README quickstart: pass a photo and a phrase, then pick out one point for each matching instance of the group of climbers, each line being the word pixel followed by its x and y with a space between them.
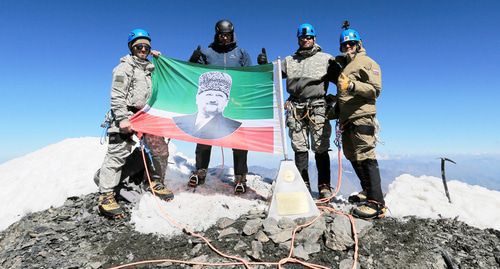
pixel 308 73
pixel 358 79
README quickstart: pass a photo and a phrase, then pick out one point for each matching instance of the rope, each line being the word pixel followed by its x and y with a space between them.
pixel 184 228
pixel 242 261
pixel 148 151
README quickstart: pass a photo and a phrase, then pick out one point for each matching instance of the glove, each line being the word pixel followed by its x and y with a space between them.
pixel 344 83
pixel 197 54
pixel 333 71
pixel 262 58
pixel 155 53
pixel 125 126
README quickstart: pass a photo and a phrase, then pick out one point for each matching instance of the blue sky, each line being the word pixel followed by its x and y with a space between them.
pixel 439 59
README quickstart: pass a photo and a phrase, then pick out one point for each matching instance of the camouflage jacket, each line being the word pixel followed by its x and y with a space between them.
pixel 131 86
pixel 366 76
pixel 305 72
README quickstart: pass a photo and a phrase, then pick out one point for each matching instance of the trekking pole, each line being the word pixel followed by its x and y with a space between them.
pixel 443 176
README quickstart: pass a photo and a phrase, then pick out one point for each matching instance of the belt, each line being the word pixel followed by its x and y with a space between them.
pixel 361 129
pixel 305 100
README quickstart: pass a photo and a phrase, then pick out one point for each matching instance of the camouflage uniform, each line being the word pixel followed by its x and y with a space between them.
pixel 130 90
pixel 357 107
pixel 308 125
pixel 357 117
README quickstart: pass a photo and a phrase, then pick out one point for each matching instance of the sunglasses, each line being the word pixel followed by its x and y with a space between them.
pixel 226 35
pixel 350 43
pixel 142 46
pixel 307 37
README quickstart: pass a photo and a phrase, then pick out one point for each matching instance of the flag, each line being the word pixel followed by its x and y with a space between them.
pixel 212 105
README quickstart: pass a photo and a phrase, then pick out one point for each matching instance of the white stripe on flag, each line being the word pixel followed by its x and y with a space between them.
pixel 244 123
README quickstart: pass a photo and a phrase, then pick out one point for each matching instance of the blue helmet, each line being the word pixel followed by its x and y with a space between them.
pixel 138 33
pixel 306 29
pixel 349 35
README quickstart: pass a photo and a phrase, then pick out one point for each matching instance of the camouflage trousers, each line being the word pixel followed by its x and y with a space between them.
pixel 119 154
pixel 359 138
pixel 308 126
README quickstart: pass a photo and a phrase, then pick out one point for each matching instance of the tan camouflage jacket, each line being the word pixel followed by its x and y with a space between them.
pixel 131 86
pixel 366 75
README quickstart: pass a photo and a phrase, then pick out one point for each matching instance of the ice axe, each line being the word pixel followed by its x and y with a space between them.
pixel 443 176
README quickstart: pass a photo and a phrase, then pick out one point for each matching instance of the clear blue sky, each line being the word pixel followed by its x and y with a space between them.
pixel 440 62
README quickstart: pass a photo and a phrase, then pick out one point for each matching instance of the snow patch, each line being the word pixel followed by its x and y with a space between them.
pixel 425 197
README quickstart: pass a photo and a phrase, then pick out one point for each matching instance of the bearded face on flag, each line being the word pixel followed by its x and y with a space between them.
pixel 213 92
pixel 211 99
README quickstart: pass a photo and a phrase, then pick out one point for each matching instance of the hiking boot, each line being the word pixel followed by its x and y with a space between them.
pixel 357 198
pixel 370 210
pixel 241 184
pixel 197 178
pixel 108 206
pixel 161 191
pixel 325 191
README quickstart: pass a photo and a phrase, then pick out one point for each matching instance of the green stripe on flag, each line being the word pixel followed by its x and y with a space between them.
pixel 175 86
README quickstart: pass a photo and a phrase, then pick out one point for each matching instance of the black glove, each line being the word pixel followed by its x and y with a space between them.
pixel 197 54
pixel 262 58
pixel 333 71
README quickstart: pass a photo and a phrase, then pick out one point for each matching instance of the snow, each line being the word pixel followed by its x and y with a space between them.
pixel 45 178
pixel 425 197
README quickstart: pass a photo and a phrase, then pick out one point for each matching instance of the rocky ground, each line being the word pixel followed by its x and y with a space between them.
pixel 74 236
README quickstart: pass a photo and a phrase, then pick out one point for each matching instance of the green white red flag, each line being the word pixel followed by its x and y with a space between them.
pixel 248 102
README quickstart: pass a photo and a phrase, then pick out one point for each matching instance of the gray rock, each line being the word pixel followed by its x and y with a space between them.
pixel 240 245
pixel 341 225
pixel 252 226
pixel 196 249
pixel 93 265
pixel 285 246
pixel 282 236
pixel 337 242
pixel 262 237
pixel 302 221
pixel 202 258
pixel 347 264
pixel 224 222
pixel 286 223
pixel 312 248
pixel 271 226
pixel 228 231
pixel 309 234
pixel 318 224
pixel 256 249
pixel 299 252
pixel 362 227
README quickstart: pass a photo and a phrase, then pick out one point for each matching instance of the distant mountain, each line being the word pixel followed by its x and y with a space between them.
pixel 482 170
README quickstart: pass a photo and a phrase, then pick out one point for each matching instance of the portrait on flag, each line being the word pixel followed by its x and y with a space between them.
pixel 212 98
pixel 233 107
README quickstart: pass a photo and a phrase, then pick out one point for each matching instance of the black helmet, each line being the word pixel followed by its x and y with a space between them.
pixel 224 26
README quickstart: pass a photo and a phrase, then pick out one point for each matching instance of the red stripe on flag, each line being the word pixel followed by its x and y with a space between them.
pixel 248 138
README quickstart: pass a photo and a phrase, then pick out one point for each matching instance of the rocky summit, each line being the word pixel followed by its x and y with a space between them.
pixel 75 236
